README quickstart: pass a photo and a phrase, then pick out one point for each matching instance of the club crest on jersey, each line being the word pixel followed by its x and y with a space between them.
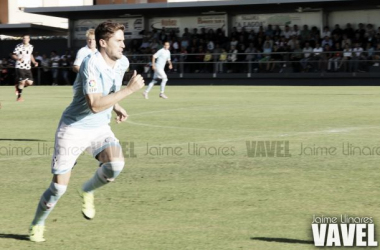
pixel 92 88
pixel 92 83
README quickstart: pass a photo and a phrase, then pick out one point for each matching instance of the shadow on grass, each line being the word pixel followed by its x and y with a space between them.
pixel 5 139
pixel 283 240
pixel 14 236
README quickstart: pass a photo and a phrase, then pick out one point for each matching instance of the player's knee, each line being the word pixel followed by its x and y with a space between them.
pixel 111 170
pixel 29 83
pixel 58 189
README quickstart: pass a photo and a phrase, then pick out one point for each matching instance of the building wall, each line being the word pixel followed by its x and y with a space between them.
pixel 3 11
pixel 17 15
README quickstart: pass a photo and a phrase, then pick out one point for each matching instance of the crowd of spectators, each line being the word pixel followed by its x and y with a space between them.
pixel 346 49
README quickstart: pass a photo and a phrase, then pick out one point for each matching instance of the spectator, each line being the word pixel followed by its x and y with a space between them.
pixel 65 64
pixel 349 32
pixel 250 54
pixel 347 55
pixel 296 31
pixel 210 46
pixel 232 58
pixel 326 32
pixel 305 33
pixel 269 32
pixel 376 56
pixel 293 42
pixel 277 31
pixel 346 40
pixel 337 31
pixel 361 31
pixel 222 60
pixel 266 56
pixel 357 57
pixel 46 73
pixel 296 57
pixel 186 34
pixel 276 58
pixel 287 33
pixel 317 57
pixel 199 59
pixel 336 58
pixel 5 77
pixel 307 52
pixel 55 61
pixel 207 60
pixel 325 41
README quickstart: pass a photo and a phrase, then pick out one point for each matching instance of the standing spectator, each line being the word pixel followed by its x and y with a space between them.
pixel 65 64
pixel 5 78
pixel 55 61
pixel 276 58
pixel 46 73
pixel 250 54
pixel 199 59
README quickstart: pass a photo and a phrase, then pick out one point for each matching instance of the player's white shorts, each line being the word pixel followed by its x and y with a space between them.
pixel 70 142
pixel 160 74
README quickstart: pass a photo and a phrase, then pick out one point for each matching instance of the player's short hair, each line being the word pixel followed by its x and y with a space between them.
pixel 105 30
pixel 90 32
pixel 24 35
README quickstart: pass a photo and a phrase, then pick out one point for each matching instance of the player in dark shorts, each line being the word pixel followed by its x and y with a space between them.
pixel 23 56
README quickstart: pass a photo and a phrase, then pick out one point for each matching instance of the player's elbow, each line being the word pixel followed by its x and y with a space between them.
pixel 94 109
pixel 76 68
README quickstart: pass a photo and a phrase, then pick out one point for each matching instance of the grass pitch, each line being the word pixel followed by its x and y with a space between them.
pixel 214 198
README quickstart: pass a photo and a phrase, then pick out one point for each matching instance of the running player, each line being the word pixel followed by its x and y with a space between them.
pixel 86 50
pixel 23 56
pixel 162 56
pixel 84 124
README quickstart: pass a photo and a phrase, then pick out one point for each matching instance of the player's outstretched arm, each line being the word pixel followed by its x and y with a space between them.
pixel 97 102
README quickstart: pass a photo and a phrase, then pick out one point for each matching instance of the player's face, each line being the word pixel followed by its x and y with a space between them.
pixel 26 39
pixel 91 43
pixel 115 45
pixel 166 46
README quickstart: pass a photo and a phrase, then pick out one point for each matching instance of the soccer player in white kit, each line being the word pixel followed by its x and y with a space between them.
pixel 23 54
pixel 86 50
pixel 162 56
pixel 84 124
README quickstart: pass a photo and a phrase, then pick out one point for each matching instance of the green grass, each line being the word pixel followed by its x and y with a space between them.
pixel 205 201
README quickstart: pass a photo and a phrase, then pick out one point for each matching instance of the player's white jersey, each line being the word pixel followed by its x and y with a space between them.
pixel 23 52
pixel 163 55
pixel 94 76
pixel 82 53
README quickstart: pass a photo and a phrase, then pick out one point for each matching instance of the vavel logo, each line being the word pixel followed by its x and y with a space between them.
pixel 344 231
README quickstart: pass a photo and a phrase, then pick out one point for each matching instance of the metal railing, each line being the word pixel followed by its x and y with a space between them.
pixel 246 63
